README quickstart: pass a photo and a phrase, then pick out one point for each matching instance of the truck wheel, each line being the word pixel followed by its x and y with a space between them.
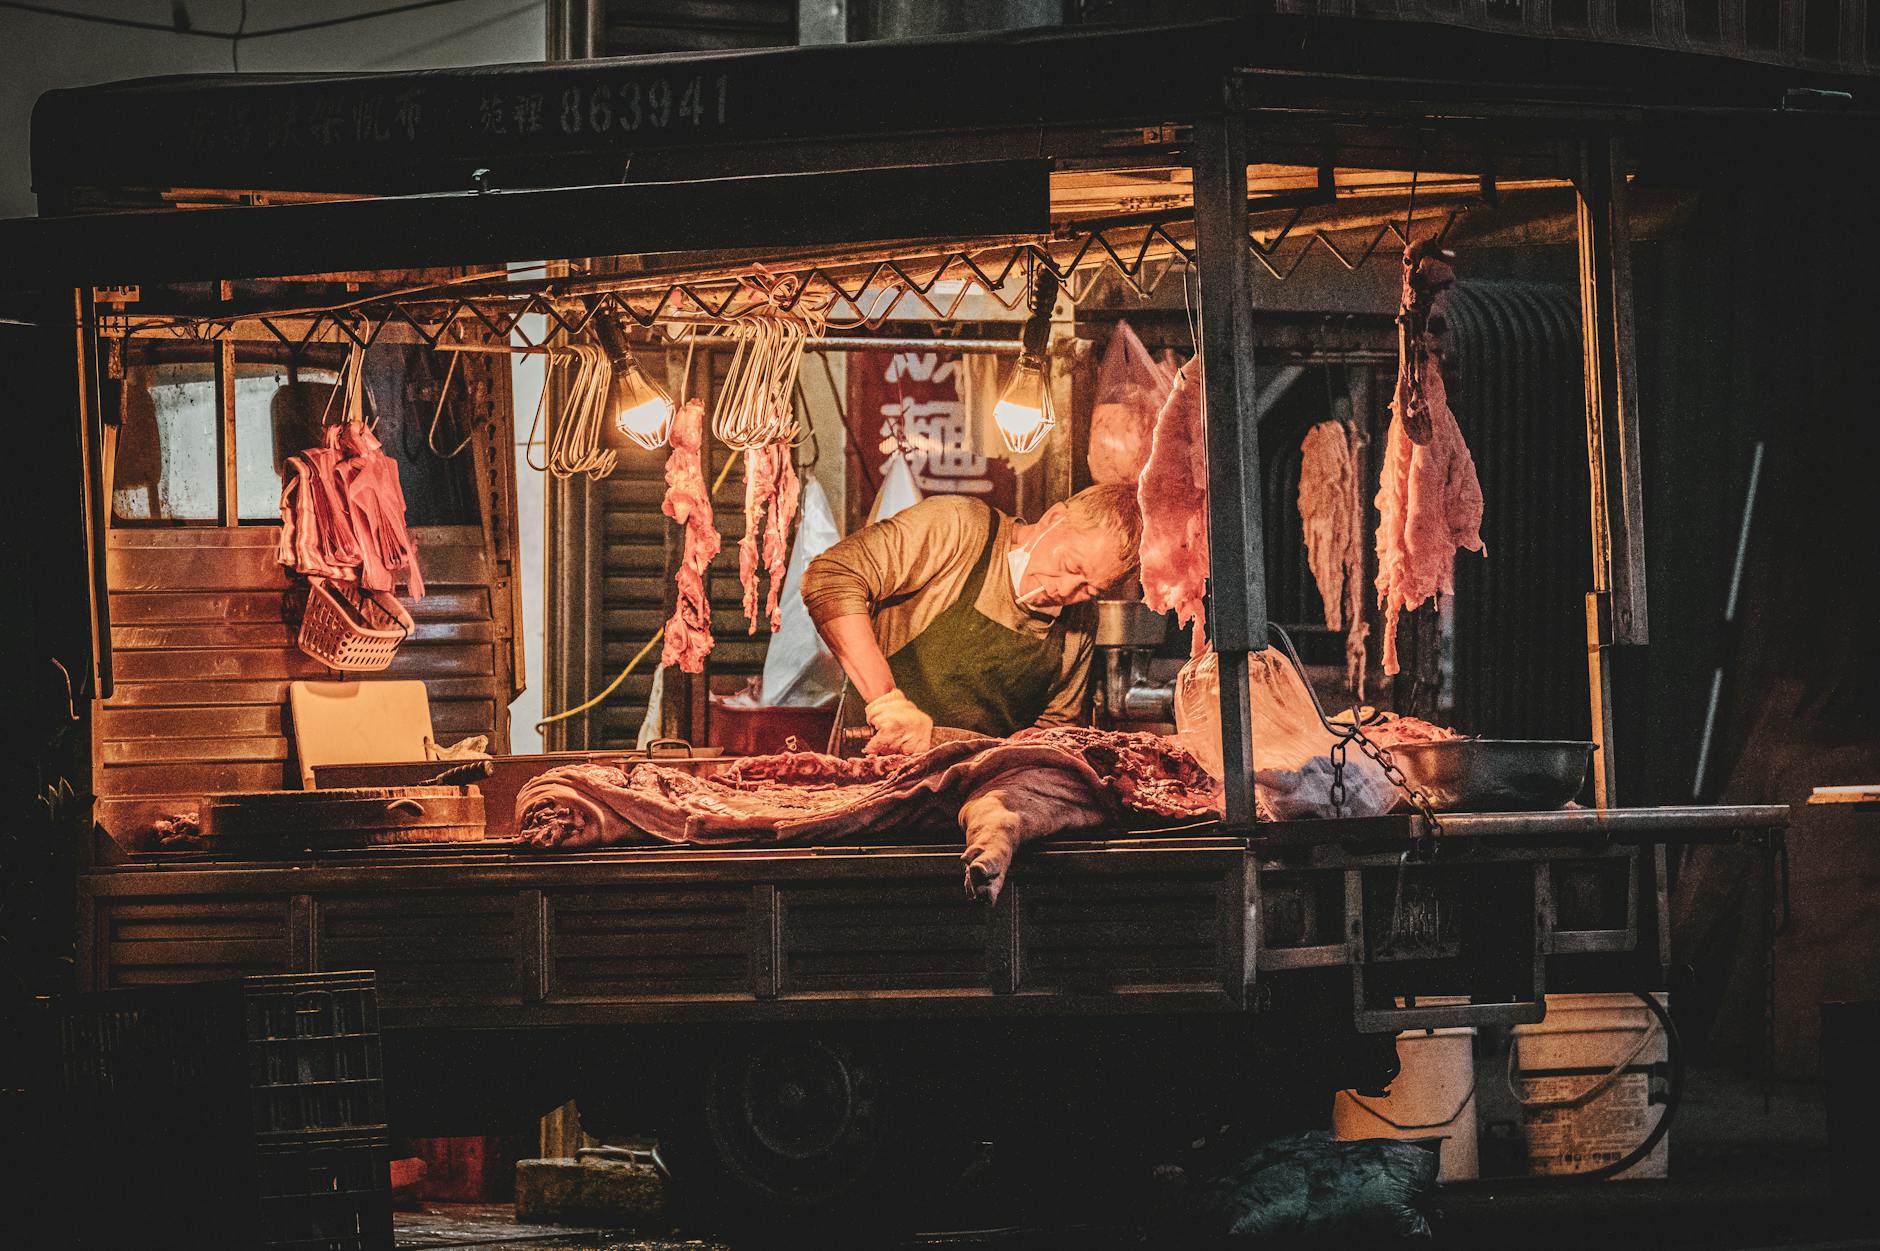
pixel 785 1128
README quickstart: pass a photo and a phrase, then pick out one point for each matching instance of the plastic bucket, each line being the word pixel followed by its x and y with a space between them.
pixel 1850 1039
pixel 1432 1102
pixel 1582 1076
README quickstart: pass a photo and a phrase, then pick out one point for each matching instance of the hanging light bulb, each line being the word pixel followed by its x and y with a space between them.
pixel 638 407
pixel 642 411
pixel 1023 413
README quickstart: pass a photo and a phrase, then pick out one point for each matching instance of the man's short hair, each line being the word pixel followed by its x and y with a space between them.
pixel 1111 510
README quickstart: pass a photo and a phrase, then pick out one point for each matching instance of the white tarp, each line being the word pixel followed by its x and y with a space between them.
pixel 798 668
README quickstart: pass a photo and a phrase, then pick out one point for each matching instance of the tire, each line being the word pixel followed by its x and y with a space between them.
pixel 797 1131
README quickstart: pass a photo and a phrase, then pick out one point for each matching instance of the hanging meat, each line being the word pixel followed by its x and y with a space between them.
pixel 689 502
pixel 771 494
pixel 388 558
pixel 1173 493
pixel 1331 512
pixel 783 507
pixel 343 514
pixel 1131 389
pixel 1429 500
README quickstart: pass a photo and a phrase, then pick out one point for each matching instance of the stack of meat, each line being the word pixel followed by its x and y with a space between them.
pixel 1429 501
pixel 1173 494
pixel 343 517
pixel 999 792
pixel 689 502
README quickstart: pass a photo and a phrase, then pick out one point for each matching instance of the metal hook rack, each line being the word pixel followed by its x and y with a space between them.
pixel 859 291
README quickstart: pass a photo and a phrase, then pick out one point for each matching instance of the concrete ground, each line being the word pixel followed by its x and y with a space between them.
pixel 1741 1179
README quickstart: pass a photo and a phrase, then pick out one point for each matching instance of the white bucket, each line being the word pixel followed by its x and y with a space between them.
pixel 1583 1077
pixel 1432 1101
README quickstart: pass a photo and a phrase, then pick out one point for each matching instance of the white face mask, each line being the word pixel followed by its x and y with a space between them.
pixel 1017 560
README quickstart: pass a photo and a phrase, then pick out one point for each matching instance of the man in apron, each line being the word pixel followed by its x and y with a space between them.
pixel 951 613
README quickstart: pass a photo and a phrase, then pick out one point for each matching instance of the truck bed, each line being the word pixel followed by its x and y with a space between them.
pixel 487 938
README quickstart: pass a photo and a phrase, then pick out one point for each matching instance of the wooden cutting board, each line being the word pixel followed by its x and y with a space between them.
pixel 380 816
pixel 373 721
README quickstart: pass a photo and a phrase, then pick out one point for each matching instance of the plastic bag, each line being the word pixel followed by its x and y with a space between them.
pixel 1131 389
pixel 1291 748
pixel 799 668
pixel 1310 1187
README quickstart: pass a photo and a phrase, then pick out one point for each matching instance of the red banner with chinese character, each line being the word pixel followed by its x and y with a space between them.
pixel 914 397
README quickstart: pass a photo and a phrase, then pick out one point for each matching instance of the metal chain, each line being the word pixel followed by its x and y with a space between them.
pixel 1395 775
pixel 1343 735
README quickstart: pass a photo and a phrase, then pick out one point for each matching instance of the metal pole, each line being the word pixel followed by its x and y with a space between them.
pixel 1237 569
pixel 1615 610
pixel 576 29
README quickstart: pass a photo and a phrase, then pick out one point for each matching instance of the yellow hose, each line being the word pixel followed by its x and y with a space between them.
pixel 638 656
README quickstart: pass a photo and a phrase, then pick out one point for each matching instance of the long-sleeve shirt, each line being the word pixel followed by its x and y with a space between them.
pixel 904 571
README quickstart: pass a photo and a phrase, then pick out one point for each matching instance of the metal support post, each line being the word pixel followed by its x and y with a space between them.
pixel 1237 569
pixel 1615 613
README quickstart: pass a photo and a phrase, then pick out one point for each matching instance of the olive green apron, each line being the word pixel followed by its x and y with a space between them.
pixel 968 671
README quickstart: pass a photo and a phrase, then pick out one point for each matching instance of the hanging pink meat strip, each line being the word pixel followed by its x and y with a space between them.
pixel 387 556
pixel 1429 500
pixel 1173 494
pixel 759 487
pixel 343 514
pixel 688 502
pixel 777 535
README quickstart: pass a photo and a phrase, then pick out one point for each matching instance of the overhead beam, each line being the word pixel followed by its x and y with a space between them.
pixel 966 201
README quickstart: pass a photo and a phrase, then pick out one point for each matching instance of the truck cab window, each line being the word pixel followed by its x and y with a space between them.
pixel 167 464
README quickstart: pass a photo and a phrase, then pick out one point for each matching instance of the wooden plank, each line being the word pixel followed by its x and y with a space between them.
pixel 244 721
pixel 415 660
pixel 250 568
pixel 214 693
pixel 188 750
pixel 453 719
pixel 622 589
pixel 193 778
pixel 139 608
pixel 266 537
pixel 274 635
pixel 635 558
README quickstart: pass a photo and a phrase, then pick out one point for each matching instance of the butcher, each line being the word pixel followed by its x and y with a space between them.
pixel 954 614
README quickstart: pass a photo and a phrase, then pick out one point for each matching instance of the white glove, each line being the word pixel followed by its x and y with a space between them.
pixel 899 726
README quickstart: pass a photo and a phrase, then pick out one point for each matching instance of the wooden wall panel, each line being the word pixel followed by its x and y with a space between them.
pixel 203 623
pixel 189 939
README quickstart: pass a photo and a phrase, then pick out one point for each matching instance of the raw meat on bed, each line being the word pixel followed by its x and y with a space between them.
pixel 1000 792
pixel 1429 500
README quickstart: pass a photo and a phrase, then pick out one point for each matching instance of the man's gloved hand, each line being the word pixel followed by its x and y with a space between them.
pixel 899 726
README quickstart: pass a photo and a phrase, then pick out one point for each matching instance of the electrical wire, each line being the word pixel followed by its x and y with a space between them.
pixel 128 23
pixel 640 655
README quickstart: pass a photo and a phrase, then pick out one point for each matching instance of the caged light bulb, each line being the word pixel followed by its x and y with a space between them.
pixel 1023 413
pixel 642 411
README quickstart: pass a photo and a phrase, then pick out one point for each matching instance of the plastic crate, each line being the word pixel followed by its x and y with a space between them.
pixel 208 1091
pixel 313 1053
pixel 325 1192
pixel 301 1052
